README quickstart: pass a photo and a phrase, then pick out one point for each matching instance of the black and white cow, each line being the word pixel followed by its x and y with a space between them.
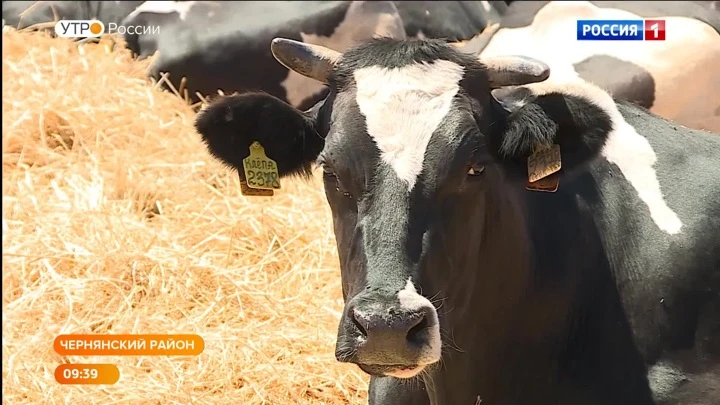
pixel 24 14
pixel 454 273
pixel 676 78
pixel 219 45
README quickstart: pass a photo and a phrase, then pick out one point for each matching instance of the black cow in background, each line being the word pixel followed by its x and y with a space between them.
pixel 224 45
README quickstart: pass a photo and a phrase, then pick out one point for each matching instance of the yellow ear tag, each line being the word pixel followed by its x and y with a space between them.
pixel 543 167
pixel 261 173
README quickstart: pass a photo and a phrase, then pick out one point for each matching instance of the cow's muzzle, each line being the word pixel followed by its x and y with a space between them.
pixel 389 334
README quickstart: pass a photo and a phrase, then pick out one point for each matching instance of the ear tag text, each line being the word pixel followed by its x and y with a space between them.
pixel 261 173
pixel 543 167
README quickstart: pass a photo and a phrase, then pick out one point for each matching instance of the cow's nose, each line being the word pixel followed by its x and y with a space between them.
pixel 395 334
pixel 394 329
pixel 390 339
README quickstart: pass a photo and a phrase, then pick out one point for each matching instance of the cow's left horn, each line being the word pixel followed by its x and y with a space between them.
pixel 313 61
pixel 514 70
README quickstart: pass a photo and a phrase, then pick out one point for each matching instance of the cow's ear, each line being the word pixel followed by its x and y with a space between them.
pixel 576 123
pixel 228 125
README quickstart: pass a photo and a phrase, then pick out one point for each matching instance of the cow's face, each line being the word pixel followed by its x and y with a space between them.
pixel 400 138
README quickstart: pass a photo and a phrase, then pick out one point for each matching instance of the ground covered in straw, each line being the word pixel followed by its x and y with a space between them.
pixel 116 220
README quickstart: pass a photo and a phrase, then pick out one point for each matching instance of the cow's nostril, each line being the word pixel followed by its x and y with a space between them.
pixel 357 320
pixel 415 333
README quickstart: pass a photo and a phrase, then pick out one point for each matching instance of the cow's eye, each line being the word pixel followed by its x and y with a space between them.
pixel 475 169
pixel 330 173
pixel 327 170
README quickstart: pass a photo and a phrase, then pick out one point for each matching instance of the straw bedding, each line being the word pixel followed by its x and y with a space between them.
pixel 116 220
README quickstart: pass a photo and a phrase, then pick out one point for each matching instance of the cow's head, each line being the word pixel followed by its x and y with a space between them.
pixel 409 140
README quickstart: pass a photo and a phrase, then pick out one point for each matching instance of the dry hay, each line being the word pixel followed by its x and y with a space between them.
pixel 116 220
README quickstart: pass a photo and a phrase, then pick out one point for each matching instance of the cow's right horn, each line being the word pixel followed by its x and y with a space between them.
pixel 313 61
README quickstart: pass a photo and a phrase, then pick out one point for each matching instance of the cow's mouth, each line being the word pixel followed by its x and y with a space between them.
pixel 394 370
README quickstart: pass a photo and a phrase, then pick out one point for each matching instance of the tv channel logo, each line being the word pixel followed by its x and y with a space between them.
pixel 621 30
pixel 79 28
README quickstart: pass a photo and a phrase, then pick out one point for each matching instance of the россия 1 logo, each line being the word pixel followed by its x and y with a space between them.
pixel 79 28
pixel 620 30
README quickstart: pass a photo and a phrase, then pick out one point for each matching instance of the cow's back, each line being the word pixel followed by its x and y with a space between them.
pixel 675 78
pixel 449 20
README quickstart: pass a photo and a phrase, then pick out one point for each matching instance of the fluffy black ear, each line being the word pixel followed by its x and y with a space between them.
pixel 228 125
pixel 580 126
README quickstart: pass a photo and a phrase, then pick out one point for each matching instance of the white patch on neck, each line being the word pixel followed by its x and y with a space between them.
pixel 164 7
pixel 403 107
pixel 485 5
pixel 627 149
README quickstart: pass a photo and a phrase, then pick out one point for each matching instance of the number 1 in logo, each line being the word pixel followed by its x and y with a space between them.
pixel 654 30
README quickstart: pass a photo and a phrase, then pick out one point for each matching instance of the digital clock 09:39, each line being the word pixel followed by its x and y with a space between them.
pixel 87 374
pixel 80 373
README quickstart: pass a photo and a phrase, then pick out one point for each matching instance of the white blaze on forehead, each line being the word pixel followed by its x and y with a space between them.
pixel 627 149
pixel 403 107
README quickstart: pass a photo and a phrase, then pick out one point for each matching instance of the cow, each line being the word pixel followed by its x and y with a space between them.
pixel 676 78
pixel 596 284
pixel 223 45
pixel 26 14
